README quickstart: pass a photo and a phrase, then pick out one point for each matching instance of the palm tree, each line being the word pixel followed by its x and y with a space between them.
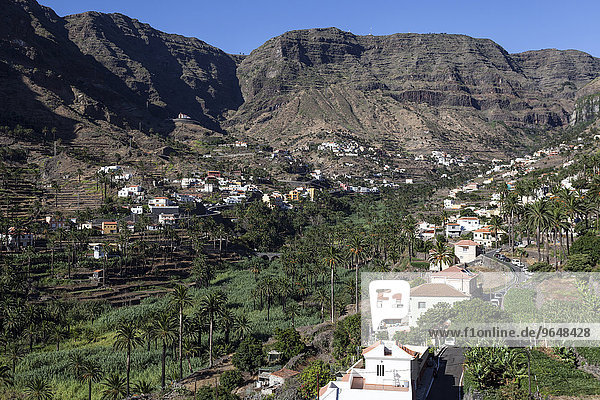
pixel 409 227
pixel 38 389
pixel 58 333
pixel 292 312
pixel 180 297
pixel 15 354
pixel 267 288
pixel 202 270
pixel 89 373
pixel 537 215
pixel 441 255
pixel 357 255
pixel 320 296
pixel 572 206
pixel 128 337
pixel 114 387
pixel 242 327
pixel 380 265
pixel 226 322
pixel 5 376
pixel 212 306
pixel 510 207
pixel 558 223
pixel 143 387
pixel 496 228
pixel 76 363
pixel 164 328
pixel 330 259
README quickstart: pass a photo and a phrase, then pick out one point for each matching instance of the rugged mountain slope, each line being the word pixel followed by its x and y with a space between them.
pixel 416 89
pixel 175 73
pixel 104 76
pixel 587 106
pixel 107 70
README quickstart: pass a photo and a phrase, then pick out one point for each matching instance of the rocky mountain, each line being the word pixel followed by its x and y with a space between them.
pixel 173 73
pixel 420 91
pixel 107 70
pixel 116 77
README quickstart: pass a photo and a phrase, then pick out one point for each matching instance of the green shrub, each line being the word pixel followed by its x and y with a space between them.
pixel 231 380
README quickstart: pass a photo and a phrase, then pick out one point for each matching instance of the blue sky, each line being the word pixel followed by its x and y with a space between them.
pixel 242 25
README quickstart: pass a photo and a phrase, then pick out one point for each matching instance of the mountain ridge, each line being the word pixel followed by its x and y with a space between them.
pixel 409 92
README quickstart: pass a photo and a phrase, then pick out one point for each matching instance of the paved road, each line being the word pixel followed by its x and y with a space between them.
pixel 446 385
pixel 518 277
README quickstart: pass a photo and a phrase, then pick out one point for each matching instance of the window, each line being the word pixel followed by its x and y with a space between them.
pixel 380 370
pixel 421 304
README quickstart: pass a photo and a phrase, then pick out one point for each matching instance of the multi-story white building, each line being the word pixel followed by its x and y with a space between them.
pixel 391 372
pixel 487 236
pixel 160 202
pixel 138 210
pixel 167 219
pixel 163 205
pixel 465 251
pixel 459 278
pixel 469 224
pixel 127 191
pixel 453 230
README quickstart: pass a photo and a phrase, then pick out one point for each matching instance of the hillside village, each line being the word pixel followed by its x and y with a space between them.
pixel 461 232
pixel 332 216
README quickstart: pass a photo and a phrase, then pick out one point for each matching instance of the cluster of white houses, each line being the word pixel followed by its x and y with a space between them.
pixel 483 235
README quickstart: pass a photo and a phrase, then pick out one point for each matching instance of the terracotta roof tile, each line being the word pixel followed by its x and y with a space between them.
pixel 435 290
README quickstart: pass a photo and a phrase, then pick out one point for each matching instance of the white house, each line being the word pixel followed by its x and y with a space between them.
pixel 423 225
pixel 469 224
pixel 486 236
pixel 188 182
pixel 166 219
pixel 427 295
pixel 428 234
pixel 391 372
pixel 98 249
pixel 162 205
pixel 453 230
pixel 270 382
pixel 459 278
pixel 138 210
pixel 16 238
pixel 465 251
pixel 239 199
pixel 160 202
pixel 109 168
pixel 471 187
pixel 128 191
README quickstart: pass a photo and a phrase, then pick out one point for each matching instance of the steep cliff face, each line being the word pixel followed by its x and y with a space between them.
pixel 110 70
pixel 587 106
pixel 175 73
pixel 46 79
pixel 327 79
